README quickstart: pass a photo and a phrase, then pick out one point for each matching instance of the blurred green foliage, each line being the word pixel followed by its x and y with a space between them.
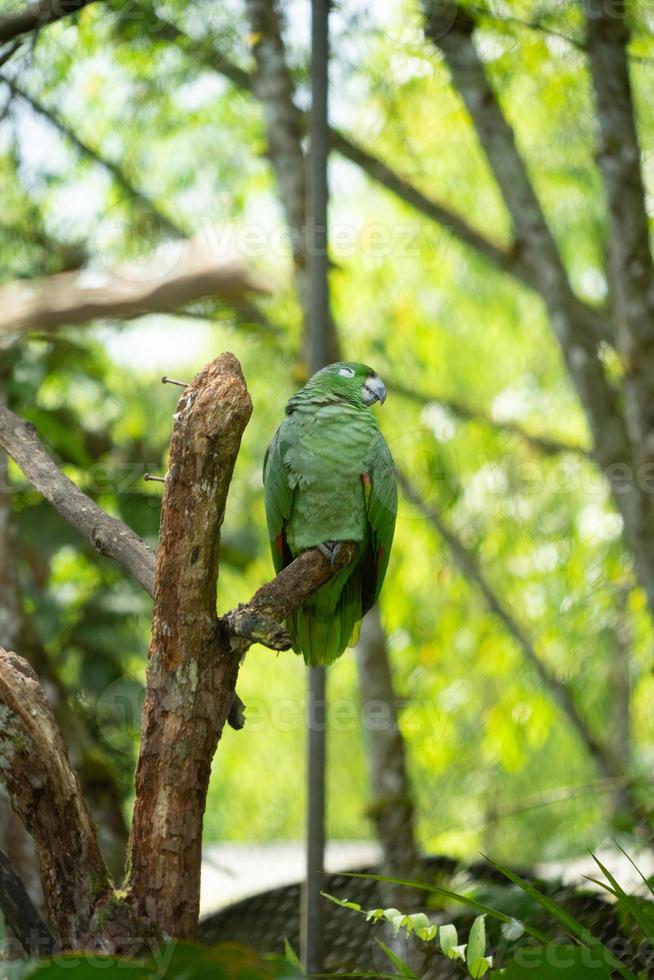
pixel 494 762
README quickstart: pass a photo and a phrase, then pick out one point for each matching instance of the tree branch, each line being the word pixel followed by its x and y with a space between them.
pixel 122 180
pixel 630 266
pixel 9 52
pixel 535 247
pixel 484 16
pixel 108 535
pixel 193 665
pixel 246 310
pixel 45 792
pixel 543 444
pixel 60 300
pixel 272 84
pixel 450 27
pixel 502 20
pixel 37 15
pixel 508 260
pixel 471 570
pixel 95 764
pixel 609 764
pixel 257 621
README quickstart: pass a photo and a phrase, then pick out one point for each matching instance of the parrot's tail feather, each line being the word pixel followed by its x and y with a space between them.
pixel 318 640
pixel 321 628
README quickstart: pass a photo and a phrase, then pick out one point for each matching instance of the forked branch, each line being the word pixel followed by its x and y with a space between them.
pixel 193 665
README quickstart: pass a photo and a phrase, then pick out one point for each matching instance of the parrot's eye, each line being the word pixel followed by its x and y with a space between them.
pixel 346 372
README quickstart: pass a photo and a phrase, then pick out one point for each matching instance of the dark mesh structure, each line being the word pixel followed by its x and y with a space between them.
pixel 265 920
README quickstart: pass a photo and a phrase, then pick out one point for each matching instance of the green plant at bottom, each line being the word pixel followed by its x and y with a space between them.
pixel 472 953
pixel 580 955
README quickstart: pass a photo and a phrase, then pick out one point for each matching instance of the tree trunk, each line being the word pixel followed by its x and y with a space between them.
pixel 191 670
pixel 391 807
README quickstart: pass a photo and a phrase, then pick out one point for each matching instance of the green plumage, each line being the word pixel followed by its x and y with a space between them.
pixel 329 476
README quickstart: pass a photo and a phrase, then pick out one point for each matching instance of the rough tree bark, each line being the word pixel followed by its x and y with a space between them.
pixel 91 761
pixel 191 672
pixel 630 265
pixel 16 843
pixel 20 915
pixel 257 620
pixel 45 792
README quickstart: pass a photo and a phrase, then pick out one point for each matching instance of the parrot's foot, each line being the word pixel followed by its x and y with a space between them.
pixel 330 550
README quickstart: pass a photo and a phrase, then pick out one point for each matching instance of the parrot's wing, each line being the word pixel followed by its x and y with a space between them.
pixel 279 500
pixel 381 501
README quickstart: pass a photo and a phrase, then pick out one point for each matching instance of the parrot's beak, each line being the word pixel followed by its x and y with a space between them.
pixel 374 390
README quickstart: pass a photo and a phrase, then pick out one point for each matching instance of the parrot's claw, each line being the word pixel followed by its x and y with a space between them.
pixel 330 550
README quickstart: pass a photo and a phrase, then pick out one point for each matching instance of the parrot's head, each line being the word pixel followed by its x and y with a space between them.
pixel 350 381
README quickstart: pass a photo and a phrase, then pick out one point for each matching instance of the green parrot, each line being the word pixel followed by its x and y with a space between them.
pixel 329 477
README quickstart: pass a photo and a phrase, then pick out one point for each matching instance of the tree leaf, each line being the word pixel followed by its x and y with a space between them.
pixel 455 897
pixel 449 937
pixel 476 941
pixel 404 968
pixel 635 907
pixel 602 953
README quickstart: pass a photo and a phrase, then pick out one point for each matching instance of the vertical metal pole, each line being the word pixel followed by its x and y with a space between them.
pixel 318 188
pixel 313 910
pixel 313 903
